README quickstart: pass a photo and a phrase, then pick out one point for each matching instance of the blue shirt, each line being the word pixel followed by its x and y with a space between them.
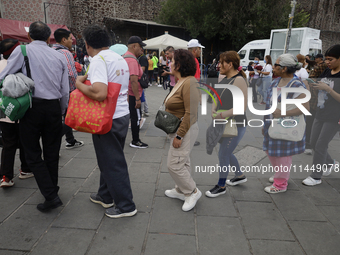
pixel 48 70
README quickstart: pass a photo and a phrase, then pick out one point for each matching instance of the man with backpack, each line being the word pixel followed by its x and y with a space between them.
pixel 49 71
pixel 135 49
pixel 64 41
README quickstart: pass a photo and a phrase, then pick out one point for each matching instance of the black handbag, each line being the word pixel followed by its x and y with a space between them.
pixel 166 121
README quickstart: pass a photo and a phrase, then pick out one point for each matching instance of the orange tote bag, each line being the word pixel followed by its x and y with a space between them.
pixel 87 115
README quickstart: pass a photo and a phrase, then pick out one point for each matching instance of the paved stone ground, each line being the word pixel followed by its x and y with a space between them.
pixel 246 220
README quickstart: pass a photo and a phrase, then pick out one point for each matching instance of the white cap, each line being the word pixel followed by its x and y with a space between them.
pixel 194 43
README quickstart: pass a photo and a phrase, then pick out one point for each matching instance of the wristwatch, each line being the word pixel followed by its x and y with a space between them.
pixel 138 100
pixel 178 137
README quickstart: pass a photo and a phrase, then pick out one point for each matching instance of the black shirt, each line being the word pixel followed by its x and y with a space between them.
pixel 143 61
pixel 227 100
pixel 328 109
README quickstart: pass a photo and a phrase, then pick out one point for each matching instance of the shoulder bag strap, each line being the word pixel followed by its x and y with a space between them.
pixel 231 82
pixel 23 51
pixel 88 67
pixel 173 91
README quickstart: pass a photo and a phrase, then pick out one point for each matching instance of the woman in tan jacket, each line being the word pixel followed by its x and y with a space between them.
pixel 183 103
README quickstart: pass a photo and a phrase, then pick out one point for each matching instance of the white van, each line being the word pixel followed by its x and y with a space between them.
pixel 257 48
pixel 304 40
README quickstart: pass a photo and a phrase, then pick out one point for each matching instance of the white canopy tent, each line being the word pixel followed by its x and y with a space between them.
pixel 163 41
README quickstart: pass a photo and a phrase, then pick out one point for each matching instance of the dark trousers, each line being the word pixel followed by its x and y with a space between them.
pixel 253 85
pixel 114 175
pixel 309 125
pixel 11 141
pixel 135 116
pixel 322 134
pixel 43 120
pixel 150 74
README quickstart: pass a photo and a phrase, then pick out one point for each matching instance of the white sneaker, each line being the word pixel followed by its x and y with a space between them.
pixel 191 200
pixel 174 194
pixel 309 181
pixel 141 122
pixel 159 86
pixel 330 169
pixel 273 190
pixel 5 182
pixel 271 179
pixel 25 175
pixel 308 151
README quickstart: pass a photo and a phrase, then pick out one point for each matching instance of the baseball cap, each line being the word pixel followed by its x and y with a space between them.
pixel 120 49
pixel 319 56
pixel 194 43
pixel 136 39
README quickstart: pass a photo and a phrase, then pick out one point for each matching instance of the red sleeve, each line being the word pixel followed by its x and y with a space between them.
pixel 198 71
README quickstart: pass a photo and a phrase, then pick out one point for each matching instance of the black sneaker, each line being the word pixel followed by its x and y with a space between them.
pixel 138 144
pixel 114 212
pixel 76 144
pixel 48 205
pixel 95 198
pixel 236 180
pixel 215 191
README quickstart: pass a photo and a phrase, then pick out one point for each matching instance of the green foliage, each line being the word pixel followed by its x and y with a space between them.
pixel 237 20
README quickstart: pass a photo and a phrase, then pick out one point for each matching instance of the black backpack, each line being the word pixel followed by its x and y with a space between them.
pixel 143 81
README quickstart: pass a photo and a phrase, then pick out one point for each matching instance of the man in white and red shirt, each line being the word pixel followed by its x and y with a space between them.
pixel 196 48
pixel 135 49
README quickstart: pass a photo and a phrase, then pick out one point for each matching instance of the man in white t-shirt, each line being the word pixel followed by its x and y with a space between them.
pixel 106 66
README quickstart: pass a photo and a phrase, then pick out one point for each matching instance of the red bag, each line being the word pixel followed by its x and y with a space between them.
pixel 87 115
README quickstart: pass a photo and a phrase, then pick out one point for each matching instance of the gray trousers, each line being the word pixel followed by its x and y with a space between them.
pixel 322 134
pixel 114 176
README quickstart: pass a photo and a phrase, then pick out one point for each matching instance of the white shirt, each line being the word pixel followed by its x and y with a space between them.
pixel 267 68
pixel 302 74
pixel 162 61
pixel 114 69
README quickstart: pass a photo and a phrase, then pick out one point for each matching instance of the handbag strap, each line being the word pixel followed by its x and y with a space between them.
pixel 173 91
pixel 231 82
pixel 88 67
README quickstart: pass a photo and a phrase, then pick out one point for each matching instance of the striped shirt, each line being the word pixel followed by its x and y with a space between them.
pixel 48 70
pixel 72 72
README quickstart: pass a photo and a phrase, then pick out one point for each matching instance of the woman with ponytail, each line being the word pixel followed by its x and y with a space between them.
pixel 230 67
pixel 279 151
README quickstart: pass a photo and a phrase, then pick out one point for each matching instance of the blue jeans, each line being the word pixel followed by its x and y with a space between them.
pixel 226 157
pixel 263 88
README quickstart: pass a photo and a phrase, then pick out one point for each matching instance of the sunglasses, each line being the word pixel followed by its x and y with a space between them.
pixel 277 65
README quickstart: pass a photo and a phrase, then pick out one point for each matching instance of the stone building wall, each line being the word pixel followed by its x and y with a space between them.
pixel 33 10
pixel 325 16
pixel 85 12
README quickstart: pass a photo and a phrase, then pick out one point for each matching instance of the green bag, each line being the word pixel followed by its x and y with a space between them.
pixel 15 108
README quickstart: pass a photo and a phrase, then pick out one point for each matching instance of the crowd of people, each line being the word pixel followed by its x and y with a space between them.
pixel 54 72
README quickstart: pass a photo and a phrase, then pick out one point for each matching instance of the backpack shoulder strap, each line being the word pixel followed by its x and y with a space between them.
pixel 23 51
pixel 130 56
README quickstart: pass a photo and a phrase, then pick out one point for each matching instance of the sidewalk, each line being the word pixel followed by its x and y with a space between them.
pixel 246 220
